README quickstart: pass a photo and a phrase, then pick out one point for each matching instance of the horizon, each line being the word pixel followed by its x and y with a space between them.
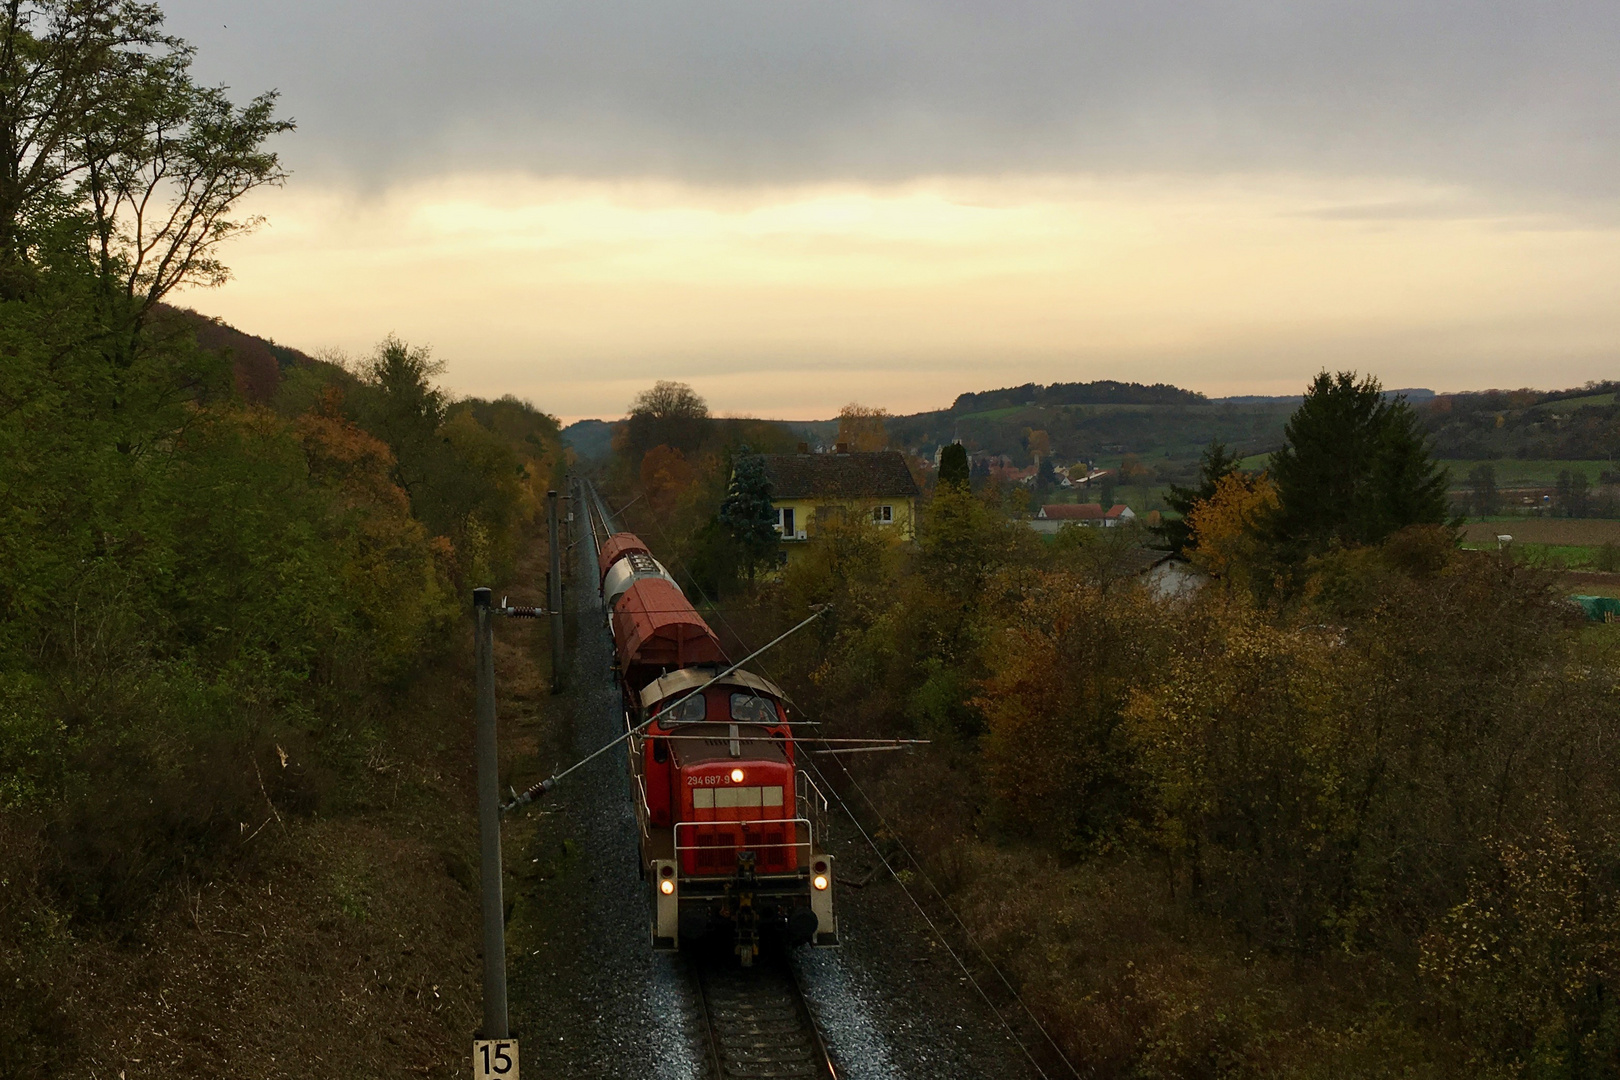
pixel 794 207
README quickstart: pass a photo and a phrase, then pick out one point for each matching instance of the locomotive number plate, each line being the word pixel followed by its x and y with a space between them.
pixel 495 1059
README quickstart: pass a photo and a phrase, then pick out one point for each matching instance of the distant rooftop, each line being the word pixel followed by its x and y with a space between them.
pixel 1072 512
pixel 879 474
pixel 1083 512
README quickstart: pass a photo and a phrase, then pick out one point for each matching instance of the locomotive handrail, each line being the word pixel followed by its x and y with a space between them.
pixel 645 805
pixel 807 842
pixel 536 790
pixel 805 776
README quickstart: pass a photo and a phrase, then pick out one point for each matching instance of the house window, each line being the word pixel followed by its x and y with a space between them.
pixel 883 515
pixel 784 521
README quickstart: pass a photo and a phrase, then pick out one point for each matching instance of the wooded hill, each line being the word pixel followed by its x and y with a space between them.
pixel 1564 425
pixel 1167 427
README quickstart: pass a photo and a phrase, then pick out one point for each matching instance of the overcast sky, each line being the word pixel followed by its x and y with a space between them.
pixel 792 205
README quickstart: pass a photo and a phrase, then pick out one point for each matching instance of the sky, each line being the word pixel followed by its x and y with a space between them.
pixel 793 205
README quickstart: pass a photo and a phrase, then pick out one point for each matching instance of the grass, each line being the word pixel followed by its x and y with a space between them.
pixel 1552 556
pixel 1528 472
pixel 1568 404
pixel 1567 543
pixel 1510 472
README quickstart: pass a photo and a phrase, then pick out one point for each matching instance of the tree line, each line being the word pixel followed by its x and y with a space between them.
pixel 194 591
pixel 1348 809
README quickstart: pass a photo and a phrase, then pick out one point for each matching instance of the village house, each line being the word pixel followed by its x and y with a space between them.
pixel 875 486
pixel 1052 517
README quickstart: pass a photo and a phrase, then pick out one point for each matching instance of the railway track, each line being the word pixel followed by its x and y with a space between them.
pixel 756 1022
pixel 753 1023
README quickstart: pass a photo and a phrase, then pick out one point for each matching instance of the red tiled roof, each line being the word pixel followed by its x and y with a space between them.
pixel 1118 509
pixel 1072 512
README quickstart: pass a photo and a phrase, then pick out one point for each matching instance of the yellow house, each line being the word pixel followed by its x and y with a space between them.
pixel 874 485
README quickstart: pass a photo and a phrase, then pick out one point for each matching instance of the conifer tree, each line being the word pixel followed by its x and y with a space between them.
pixel 1355 468
pixel 748 514
pixel 953 466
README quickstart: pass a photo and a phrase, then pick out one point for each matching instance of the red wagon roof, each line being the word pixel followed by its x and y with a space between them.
pixel 617 547
pixel 654 626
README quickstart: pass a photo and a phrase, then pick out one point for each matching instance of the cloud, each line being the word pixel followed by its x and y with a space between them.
pixel 1516 99
pixel 794 300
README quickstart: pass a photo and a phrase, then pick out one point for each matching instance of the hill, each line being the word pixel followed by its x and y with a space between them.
pixel 1582 423
pixel 1101 392
pixel 260 364
pixel 590 439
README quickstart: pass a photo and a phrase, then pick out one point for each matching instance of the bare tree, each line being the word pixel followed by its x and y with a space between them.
pixel 861 427
pixel 667 414
pixel 667 400
pixel 102 125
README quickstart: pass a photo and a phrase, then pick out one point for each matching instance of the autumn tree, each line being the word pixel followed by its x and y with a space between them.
pixel 1039 443
pixel 401 403
pixel 665 475
pixel 1132 472
pixel 861 428
pixel 1215 463
pixel 1228 529
pixel 106 139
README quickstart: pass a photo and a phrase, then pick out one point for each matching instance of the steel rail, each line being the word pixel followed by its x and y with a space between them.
pixel 757 1022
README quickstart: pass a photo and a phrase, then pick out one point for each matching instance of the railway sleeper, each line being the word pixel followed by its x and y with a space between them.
pixel 776 1067
pixel 762 1035
pixel 768 1055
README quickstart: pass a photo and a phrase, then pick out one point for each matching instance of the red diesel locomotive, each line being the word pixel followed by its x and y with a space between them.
pixel 729 825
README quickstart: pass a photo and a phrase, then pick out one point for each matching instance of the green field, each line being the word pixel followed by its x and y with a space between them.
pixel 1564 405
pixel 1570 543
pixel 1548 556
pixel 1528 472
pixel 1510 472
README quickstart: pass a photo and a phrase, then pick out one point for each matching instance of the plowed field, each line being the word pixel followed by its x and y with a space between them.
pixel 1581 532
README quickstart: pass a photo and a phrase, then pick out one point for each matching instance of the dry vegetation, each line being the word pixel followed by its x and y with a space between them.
pixel 341 933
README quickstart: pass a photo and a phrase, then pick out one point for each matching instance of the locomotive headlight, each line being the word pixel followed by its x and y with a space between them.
pixel 667 887
pixel 736 776
pixel 820 882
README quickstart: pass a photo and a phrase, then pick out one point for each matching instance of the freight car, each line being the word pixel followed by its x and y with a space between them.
pixel 730 826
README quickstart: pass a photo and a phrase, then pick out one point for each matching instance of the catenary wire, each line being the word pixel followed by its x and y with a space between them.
pixel 848 812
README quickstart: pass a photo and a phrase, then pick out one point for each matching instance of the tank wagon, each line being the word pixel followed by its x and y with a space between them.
pixel 730 826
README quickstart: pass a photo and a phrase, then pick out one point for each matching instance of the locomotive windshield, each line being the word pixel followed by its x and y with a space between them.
pixel 689 711
pixel 752 709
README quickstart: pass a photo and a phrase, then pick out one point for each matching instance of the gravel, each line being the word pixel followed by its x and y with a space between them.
pixel 591 998
pixel 891 1001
